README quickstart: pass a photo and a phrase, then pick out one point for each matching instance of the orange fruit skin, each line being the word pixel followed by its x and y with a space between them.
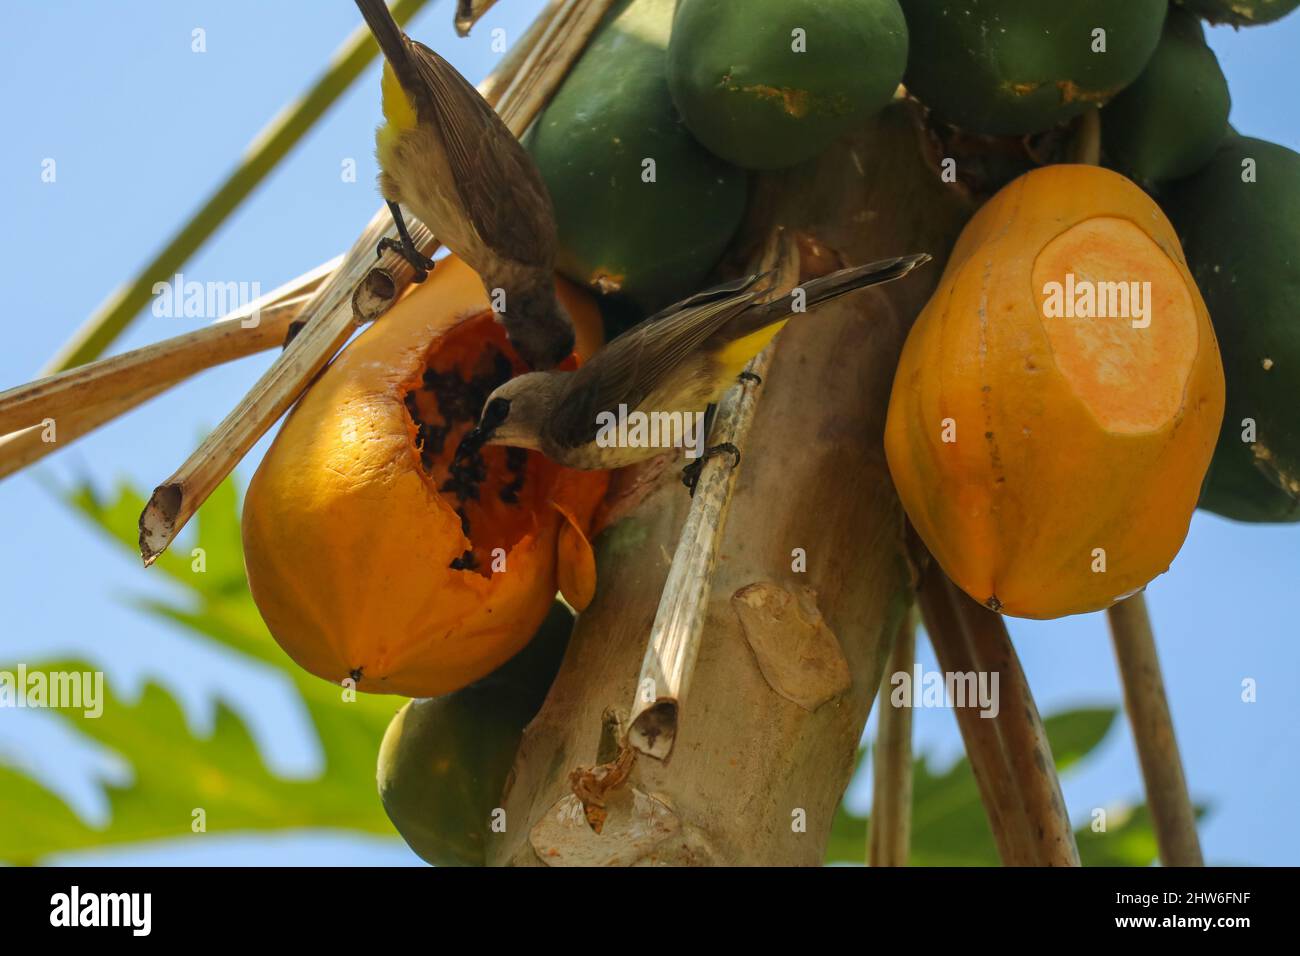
pixel 347 541
pixel 1015 508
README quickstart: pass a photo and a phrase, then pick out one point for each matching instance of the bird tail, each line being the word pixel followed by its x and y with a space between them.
pixel 825 288
pixel 818 291
pixel 389 36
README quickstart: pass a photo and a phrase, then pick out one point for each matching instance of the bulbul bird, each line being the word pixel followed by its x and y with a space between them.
pixel 445 154
pixel 680 360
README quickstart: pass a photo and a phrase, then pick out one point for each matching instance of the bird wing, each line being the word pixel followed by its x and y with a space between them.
pixel 721 291
pixel 823 289
pixel 630 367
pixel 498 182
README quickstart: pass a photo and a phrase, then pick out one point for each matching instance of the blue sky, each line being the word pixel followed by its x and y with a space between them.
pixel 151 135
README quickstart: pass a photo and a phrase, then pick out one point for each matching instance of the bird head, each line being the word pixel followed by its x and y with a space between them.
pixel 540 329
pixel 516 412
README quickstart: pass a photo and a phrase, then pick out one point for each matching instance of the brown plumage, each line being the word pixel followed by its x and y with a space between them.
pixel 678 361
pixel 446 155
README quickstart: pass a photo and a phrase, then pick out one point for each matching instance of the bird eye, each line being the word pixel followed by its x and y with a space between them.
pixel 496 412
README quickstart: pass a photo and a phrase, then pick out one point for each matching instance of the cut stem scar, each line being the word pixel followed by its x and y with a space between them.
pixel 468 13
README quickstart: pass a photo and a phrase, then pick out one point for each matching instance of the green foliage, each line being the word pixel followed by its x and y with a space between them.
pixel 174 771
pixel 949 827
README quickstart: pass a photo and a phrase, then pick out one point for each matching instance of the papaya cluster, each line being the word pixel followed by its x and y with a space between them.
pixel 1014 521
pixel 1050 465
pixel 1020 67
pixel 647 146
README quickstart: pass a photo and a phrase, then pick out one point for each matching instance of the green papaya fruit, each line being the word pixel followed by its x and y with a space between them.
pixel 643 208
pixel 1169 122
pixel 770 83
pixel 444 761
pixel 1241 13
pixel 1239 222
pixel 1007 67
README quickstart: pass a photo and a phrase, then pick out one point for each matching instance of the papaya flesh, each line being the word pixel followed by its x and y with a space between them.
pixel 444 761
pixel 1048 442
pixel 1007 67
pixel 1241 13
pixel 375 555
pixel 771 83
pixel 1169 122
pixel 1239 220
pixel 642 208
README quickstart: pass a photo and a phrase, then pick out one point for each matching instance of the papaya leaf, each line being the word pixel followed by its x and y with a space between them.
pixel 1076 733
pixel 175 775
pixel 950 828
pixel 1129 838
pixel 173 772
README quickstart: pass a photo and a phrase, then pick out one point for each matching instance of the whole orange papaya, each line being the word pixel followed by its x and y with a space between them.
pixel 1058 399
pixel 370 552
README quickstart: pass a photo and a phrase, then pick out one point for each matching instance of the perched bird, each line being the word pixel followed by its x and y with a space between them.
pixel 445 154
pixel 680 360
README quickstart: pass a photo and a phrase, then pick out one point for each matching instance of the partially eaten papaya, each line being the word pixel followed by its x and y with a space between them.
pixel 372 553
pixel 1058 399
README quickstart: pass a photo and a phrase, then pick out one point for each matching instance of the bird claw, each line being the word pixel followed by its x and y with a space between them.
pixel 691 473
pixel 419 262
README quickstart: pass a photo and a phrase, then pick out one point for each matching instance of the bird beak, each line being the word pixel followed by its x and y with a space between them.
pixel 473 441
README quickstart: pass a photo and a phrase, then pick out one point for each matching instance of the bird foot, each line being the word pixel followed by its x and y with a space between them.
pixel 691 473
pixel 421 263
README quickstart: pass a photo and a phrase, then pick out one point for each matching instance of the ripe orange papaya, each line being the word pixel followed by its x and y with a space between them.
pixel 1057 401
pixel 371 554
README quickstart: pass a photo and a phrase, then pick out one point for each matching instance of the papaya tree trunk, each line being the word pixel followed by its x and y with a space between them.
pixel 811 582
